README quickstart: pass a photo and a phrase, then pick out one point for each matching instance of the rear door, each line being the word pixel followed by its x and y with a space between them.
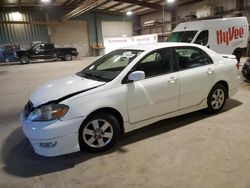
pixel 49 51
pixel 196 75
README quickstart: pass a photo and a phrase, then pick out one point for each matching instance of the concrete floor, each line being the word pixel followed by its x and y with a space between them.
pixel 194 150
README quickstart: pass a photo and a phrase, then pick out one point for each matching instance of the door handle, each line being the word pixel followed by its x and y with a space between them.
pixel 210 71
pixel 172 80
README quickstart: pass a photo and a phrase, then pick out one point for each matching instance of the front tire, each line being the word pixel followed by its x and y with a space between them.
pixel 216 98
pixel 24 59
pixel 99 132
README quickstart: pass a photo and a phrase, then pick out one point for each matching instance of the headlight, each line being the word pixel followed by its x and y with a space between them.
pixel 48 112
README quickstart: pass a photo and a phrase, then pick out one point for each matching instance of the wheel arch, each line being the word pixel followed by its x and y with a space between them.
pixel 19 55
pixel 113 111
pixel 225 84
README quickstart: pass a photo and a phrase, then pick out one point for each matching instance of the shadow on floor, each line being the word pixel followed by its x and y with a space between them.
pixel 20 160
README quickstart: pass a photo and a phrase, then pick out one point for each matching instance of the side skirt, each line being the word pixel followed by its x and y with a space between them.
pixel 130 127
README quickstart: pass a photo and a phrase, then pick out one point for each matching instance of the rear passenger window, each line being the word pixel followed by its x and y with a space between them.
pixel 156 63
pixel 48 46
pixel 202 38
pixel 191 58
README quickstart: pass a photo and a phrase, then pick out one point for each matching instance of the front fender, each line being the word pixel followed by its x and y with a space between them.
pixel 82 106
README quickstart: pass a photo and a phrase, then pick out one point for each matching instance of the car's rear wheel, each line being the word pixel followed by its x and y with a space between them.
pixel 216 98
pixel 67 57
pixel 99 132
pixel 24 59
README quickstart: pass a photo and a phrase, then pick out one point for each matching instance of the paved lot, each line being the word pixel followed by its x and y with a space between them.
pixel 194 150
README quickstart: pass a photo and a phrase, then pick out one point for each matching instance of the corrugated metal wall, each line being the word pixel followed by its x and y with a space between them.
pixel 23 33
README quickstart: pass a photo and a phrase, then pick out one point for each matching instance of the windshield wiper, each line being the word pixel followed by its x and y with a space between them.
pixel 91 76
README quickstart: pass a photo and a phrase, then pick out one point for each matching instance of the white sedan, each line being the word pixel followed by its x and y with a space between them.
pixel 124 90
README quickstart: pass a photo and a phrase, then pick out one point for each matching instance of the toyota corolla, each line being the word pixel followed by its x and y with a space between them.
pixel 124 90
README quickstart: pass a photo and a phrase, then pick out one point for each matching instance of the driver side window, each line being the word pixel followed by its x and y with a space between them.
pixel 38 47
pixel 202 38
pixel 156 63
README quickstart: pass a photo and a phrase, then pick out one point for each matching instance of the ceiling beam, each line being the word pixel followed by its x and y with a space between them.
pixel 19 3
pixel 66 2
pixel 188 2
pixel 86 6
pixel 136 9
pixel 113 6
pixel 103 11
pixel 141 13
pixel 124 8
pixel 178 3
pixel 145 4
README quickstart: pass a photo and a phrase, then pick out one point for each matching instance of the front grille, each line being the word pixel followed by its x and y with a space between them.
pixel 28 108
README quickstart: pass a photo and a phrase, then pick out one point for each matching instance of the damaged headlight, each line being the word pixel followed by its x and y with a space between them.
pixel 48 112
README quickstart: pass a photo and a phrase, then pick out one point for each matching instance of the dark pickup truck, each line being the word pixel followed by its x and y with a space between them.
pixel 45 51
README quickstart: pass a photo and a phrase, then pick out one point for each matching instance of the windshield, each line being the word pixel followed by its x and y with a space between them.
pixel 182 36
pixel 109 66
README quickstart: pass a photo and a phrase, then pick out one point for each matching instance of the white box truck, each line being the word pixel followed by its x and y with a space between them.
pixel 224 35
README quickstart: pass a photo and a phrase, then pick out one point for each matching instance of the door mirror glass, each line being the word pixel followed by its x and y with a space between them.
pixel 136 75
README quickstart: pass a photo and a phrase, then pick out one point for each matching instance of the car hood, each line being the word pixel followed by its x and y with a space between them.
pixel 62 89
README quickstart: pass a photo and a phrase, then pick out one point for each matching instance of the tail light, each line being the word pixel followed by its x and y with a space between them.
pixel 238 65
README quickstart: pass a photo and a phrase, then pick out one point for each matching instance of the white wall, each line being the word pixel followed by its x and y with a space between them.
pixel 117 28
pixel 71 34
pixel 153 17
pixel 191 8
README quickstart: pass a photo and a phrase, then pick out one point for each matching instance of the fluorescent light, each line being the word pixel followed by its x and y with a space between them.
pixel 129 13
pixel 16 16
pixel 45 1
pixel 170 1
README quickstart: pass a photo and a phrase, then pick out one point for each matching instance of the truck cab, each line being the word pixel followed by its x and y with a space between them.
pixel 43 51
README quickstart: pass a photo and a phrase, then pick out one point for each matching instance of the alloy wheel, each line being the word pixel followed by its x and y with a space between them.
pixel 98 133
pixel 218 98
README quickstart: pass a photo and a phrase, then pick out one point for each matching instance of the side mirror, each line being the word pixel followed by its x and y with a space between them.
pixel 136 75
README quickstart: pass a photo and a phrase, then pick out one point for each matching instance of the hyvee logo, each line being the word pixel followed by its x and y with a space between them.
pixel 229 35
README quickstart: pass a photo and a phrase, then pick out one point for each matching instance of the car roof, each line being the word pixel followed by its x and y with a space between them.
pixel 159 45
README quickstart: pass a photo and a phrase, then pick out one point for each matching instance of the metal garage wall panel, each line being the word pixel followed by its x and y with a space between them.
pixel 72 34
pixel 23 33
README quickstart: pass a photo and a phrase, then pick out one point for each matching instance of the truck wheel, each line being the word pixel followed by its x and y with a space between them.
pixel 99 132
pixel 67 57
pixel 24 59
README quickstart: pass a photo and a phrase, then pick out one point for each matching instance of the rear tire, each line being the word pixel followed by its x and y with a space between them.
pixel 216 99
pixel 98 132
pixel 24 59
pixel 67 57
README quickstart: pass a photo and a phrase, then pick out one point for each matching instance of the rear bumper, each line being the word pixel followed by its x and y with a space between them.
pixel 75 53
pixel 233 91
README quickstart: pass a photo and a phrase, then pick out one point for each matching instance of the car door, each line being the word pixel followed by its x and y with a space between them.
pixel 49 51
pixel 37 51
pixel 158 93
pixel 196 75
pixel 203 38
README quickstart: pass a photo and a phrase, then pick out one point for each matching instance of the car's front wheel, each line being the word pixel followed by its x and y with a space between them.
pixel 99 132
pixel 216 98
pixel 24 59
